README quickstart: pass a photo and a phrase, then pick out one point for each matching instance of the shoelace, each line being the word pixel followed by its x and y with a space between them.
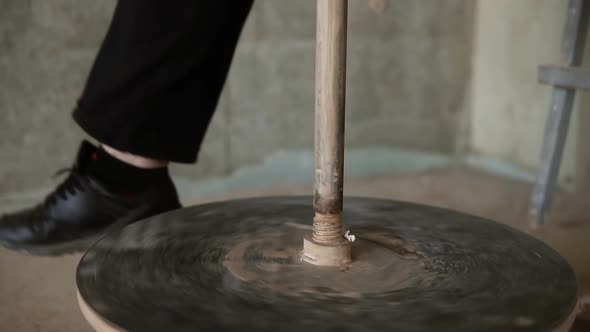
pixel 72 184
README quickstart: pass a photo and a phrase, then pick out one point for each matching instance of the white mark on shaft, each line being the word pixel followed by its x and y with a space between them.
pixel 349 236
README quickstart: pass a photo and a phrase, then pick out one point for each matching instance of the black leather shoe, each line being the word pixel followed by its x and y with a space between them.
pixel 79 211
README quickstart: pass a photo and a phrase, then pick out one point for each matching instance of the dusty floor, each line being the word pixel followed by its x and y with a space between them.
pixel 39 294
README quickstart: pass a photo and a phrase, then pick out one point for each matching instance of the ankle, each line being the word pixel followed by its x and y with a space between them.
pixel 134 160
pixel 122 176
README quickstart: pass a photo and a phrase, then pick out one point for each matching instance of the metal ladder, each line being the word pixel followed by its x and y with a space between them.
pixel 565 78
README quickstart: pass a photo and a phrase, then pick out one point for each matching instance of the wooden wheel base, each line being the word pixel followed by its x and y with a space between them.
pixel 234 265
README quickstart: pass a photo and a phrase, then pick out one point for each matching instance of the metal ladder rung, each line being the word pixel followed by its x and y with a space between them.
pixel 564 76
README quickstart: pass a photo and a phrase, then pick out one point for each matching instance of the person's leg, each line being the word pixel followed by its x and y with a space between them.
pixel 149 99
pixel 133 159
pixel 157 80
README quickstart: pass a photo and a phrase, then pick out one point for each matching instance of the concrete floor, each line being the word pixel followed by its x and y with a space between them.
pixel 39 293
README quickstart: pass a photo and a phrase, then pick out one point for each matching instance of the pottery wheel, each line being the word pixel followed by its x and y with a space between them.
pixel 235 265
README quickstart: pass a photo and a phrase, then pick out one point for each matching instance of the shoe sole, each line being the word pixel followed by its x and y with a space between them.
pixel 58 249
pixel 76 245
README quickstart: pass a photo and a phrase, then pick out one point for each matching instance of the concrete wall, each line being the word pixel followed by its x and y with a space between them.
pixel 509 108
pixel 408 78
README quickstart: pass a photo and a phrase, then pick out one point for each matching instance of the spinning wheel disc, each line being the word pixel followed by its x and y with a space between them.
pixel 234 266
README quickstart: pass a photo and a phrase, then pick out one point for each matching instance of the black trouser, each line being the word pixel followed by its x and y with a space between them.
pixel 157 78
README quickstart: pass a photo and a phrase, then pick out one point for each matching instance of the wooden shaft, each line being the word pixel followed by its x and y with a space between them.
pixel 329 118
pixel 326 245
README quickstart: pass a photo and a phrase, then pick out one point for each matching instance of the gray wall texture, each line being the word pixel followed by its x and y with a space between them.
pixel 509 107
pixel 408 81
